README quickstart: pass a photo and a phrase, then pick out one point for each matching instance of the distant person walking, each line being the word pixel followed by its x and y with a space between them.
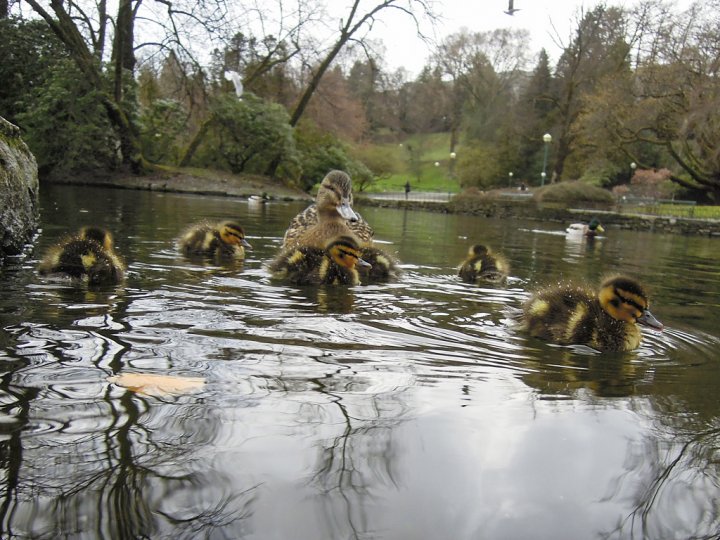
pixel 407 189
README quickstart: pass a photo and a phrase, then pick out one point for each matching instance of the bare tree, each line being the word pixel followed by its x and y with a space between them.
pixel 665 111
pixel 351 28
pixel 598 49
pixel 481 68
pixel 169 25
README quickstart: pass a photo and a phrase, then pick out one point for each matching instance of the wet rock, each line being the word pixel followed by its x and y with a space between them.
pixel 19 187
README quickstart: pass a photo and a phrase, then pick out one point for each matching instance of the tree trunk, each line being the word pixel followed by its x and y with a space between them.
pixel 64 27
pixel 195 143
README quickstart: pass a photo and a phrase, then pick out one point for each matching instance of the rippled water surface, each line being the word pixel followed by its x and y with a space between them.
pixel 412 410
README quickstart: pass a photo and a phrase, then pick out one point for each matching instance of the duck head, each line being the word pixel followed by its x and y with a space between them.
pixel 335 195
pixel 625 299
pixel 595 226
pixel 99 235
pixel 345 252
pixel 232 234
pixel 477 250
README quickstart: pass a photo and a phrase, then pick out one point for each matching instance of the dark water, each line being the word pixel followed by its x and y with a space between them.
pixel 413 410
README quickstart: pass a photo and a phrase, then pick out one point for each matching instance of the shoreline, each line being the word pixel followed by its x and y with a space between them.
pixel 216 183
pixel 529 209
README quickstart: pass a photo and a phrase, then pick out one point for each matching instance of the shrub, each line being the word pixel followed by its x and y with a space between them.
pixel 573 192
pixel 162 125
pixel 321 152
pixel 66 124
pixel 380 162
pixel 247 136
pixel 479 166
pixel 472 200
pixel 604 174
pixel 654 183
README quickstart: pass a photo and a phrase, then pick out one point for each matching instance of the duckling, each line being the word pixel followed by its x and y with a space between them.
pixel 567 314
pixel 88 255
pixel 381 265
pixel 334 265
pixel 590 230
pixel 224 240
pixel 334 198
pixel 482 264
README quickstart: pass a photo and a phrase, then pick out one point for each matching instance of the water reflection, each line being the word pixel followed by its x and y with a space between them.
pixel 408 410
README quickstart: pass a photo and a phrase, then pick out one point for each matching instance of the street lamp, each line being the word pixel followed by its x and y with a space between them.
pixel 510 175
pixel 633 166
pixel 453 155
pixel 547 139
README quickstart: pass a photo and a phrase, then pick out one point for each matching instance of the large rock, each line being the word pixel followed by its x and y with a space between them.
pixel 19 186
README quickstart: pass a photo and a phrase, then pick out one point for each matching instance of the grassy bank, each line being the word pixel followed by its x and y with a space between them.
pixel 424 160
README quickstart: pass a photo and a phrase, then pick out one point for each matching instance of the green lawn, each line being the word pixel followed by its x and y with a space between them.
pixel 427 150
pixel 677 210
pixel 707 212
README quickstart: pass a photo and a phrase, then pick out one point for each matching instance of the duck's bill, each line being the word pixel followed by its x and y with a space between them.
pixel 648 319
pixel 346 212
pixel 599 229
pixel 364 263
pixel 245 243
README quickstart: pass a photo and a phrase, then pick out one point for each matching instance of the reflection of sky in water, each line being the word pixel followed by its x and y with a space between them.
pixel 409 410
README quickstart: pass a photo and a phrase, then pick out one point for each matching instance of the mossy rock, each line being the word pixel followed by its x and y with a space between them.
pixel 19 188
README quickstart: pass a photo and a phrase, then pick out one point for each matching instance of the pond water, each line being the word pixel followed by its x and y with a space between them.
pixel 410 410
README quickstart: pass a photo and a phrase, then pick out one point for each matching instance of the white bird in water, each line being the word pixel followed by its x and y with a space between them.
pixel 234 77
pixel 511 10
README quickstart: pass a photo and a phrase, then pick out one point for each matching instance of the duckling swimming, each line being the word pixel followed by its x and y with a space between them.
pixel 333 203
pixel 382 266
pixel 482 264
pixel 88 255
pixel 336 264
pixel 590 230
pixel 224 240
pixel 566 314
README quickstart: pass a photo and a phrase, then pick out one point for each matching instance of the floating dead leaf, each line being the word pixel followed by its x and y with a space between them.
pixel 150 384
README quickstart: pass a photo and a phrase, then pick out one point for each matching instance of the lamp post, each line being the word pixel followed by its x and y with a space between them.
pixel 510 175
pixel 547 139
pixel 633 166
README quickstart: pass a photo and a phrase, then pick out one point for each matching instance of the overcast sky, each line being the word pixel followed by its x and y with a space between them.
pixel 544 19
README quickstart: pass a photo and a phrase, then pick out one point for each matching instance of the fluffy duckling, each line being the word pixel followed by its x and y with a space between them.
pixel 224 240
pixel 382 266
pixel 88 255
pixel 481 264
pixel 333 203
pixel 336 264
pixel 606 321
pixel 590 230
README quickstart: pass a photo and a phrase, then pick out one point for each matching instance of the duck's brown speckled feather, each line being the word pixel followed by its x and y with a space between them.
pixel 308 218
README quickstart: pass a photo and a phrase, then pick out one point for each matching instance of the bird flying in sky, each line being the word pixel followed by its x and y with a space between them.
pixel 511 10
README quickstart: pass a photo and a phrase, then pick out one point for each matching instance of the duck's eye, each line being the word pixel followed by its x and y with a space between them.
pixel 616 302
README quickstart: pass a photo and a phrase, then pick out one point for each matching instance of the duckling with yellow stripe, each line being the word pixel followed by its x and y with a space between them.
pixel 607 320
pixel 336 264
pixel 223 240
pixel 481 264
pixel 88 255
pixel 381 265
